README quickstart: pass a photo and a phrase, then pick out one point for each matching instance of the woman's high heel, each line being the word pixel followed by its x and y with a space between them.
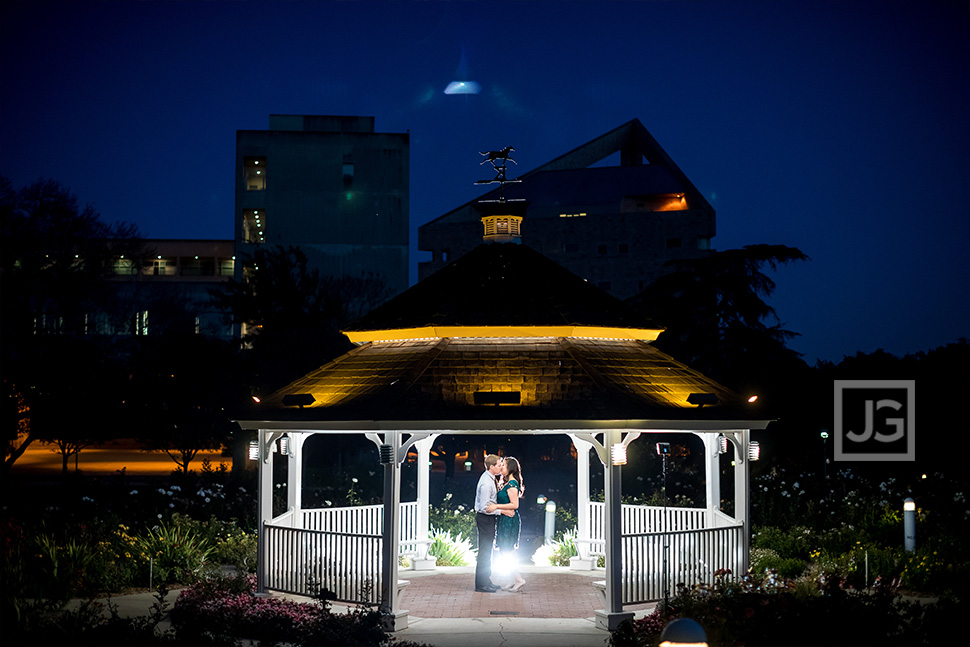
pixel 518 585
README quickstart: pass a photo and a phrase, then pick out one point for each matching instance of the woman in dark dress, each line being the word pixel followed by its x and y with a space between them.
pixel 507 535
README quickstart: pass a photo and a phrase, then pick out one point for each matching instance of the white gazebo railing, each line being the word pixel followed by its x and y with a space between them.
pixel 692 557
pixel 697 544
pixel 304 561
pixel 338 549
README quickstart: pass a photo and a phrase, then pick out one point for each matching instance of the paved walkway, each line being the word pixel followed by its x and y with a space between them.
pixel 556 608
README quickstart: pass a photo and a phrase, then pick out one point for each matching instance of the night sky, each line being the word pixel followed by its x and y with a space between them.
pixel 840 128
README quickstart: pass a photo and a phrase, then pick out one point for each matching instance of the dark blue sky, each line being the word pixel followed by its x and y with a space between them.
pixel 840 128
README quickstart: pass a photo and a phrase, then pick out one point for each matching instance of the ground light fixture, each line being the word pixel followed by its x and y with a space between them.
pixel 683 632
pixel 541 499
pixel 909 525
pixel 550 522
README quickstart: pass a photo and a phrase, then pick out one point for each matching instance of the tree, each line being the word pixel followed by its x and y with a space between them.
pixel 716 318
pixel 292 316
pixel 55 263
pixel 180 388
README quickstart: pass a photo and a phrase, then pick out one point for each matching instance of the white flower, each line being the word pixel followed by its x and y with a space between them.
pixel 171 505
pixel 175 488
pixel 795 485
pixel 448 497
pixel 133 492
pixel 328 502
pixel 354 479
pixel 159 515
pixel 207 499
pixel 87 498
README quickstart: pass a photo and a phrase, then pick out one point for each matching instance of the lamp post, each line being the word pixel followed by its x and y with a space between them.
pixel 909 525
pixel 825 454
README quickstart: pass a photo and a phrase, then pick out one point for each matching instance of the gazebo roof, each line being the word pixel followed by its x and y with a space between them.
pixel 503 289
pixel 503 338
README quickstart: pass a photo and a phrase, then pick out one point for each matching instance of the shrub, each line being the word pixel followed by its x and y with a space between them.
pixel 177 555
pixel 743 612
pixel 450 551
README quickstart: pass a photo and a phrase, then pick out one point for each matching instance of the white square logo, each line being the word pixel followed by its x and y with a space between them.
pixel 875 420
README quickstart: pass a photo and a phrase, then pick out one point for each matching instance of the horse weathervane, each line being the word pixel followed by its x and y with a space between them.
pixel 499 161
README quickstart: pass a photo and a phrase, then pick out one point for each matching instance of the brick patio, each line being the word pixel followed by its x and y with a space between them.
pixel 557 594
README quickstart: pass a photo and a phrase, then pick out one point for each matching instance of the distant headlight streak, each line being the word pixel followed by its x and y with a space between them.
pixel 463 87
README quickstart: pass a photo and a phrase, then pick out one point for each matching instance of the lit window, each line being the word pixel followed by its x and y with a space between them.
pixel 141 322
pixel 254 169
pixel 254 226
pixel 704 242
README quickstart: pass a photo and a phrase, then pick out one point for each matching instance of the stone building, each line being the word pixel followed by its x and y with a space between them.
pixel 615 225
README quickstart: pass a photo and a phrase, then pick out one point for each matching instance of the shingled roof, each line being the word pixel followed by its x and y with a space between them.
pixel 482 342
pixel 503 284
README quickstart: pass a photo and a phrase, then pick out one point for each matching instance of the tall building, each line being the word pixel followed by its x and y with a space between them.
pixel 330 185
pixel 615 225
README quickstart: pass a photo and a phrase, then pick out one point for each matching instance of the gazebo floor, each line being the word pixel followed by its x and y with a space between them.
pixel 550 592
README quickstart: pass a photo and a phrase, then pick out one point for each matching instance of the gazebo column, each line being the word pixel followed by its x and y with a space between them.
pixel 611 617
pixel 583 561
pixel 712 476
pixel 741 480
pixel 294 478
pixel 394 618
pixel 265 439
pixel 421 562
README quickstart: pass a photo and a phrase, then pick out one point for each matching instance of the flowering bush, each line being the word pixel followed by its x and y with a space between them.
pixel 458 519
pixel 774 611
pixel 222 610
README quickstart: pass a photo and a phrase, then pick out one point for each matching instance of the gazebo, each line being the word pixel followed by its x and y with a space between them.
pixel 501 341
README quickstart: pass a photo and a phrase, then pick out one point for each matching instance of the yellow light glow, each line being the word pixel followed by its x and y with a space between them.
pixel 753 399
pixel 437 332
pixel 909 505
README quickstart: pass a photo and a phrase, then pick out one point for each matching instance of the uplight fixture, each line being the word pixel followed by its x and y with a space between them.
pixel 285 445
pixel 683 632
pixel 722 444
pixel 254 450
